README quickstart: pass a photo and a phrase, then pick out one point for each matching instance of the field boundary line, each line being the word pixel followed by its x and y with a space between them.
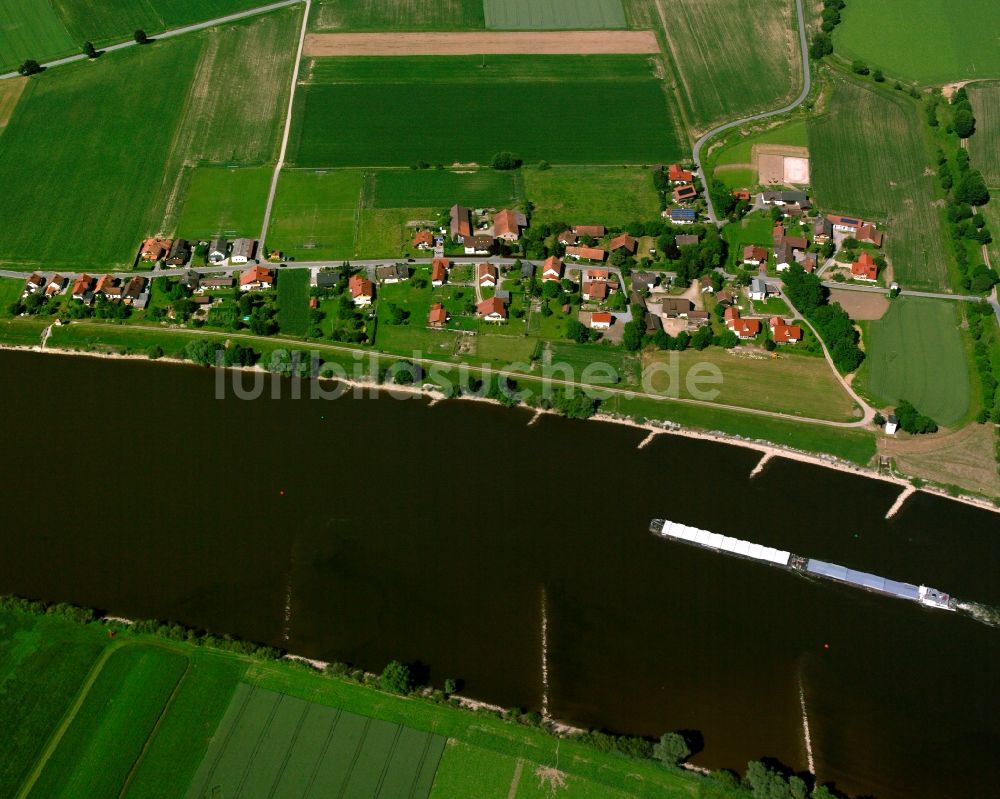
pixel 354 760
pixel 156 727
pixel 428 737
pixel 229 733
pixel 260 742
pixel 322 754
pixel 288 751
pixel 388 761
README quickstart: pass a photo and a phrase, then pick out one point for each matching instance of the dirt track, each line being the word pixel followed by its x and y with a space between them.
pixel 487 43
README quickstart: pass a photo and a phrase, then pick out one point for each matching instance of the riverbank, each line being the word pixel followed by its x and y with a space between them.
pixel 768 450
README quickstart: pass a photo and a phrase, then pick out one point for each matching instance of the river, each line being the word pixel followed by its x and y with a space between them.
pixel 366 530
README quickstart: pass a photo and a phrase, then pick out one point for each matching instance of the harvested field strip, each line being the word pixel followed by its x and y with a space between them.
pixel 915 352
pixel 869 158
pixel 984 144
pixel 725 69
pixel 10 92
pixel 554 14
pixel 31 29
pixel 287 747
pixel 107 736
pixel 471 43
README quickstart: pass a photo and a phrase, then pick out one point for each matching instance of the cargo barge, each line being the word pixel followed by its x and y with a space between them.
pixel 922 594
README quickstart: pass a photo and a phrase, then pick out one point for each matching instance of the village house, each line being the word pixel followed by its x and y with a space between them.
pixel 681 216
pixel 686 240
pixel 180 253
pixel 789 200
pixel 362 290
pixel 507 225
pixel 393 273
pixel 82 288
pixel 107 286
pixel 674 307
pixel 644 281
pixel 784 333
pixel 552 269
pixel 218 251
pixel 865 267
pixel 677 175
pixel 142 301
pixel 698 318
pixel 32 284
pixel 822 230
pixel 593 231
pixel 424 240
pixel 480 244
pixel 754 255
pixel 487 276
pixel 624 242
pixel 56 284
pixel 743 328
pixel 808 262
pixel 327 278
pixel 243 251
pixel 652 323
pixel 586 253
pixel 705 284
pixel 725 298
pixel 256 278
pixel 439 271
pixel 758 289
pixel 132 290
pixel 438 317
pixel 566 238
pixel 783 257
pixel 597 274
pixel 492 310
pixel 527 270
pixel 154 249
pixel 865 232
pixel 207 283
pixel 600 320
pixel 595 291
pixel 685 193
pixel 461 223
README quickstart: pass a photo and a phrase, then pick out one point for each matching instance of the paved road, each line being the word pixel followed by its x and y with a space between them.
pixel 252 12
pixel 806 85
pixel 288 127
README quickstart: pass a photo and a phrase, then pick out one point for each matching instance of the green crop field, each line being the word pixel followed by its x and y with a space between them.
pixel 984 144
pixel 396 15
pixel 869 157
pixel 106 737
pixel 315 214
pixel 928 41
pixel 432 188
pixel 349 111
pixel 915 352
pixel 296 747
pixel 553 14
pixel 732 60
pixel 293 301
pixel 591 195
pixel 740 149
pixel 31 29
pixel 224 201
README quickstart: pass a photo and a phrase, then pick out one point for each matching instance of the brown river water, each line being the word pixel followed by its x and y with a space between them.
pixel 369 529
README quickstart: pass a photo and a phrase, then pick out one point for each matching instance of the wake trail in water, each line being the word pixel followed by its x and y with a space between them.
pixel 545 655
pixel 806 736
pixel 986 614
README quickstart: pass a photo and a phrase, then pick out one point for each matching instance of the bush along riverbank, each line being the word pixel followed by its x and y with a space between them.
pixel 646 767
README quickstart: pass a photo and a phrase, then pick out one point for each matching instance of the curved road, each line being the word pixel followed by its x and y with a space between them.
pixel 806 86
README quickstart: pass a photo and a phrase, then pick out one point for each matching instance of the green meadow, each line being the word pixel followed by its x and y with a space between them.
pixel 31 29
pixel 349 111
pixel 315 214
pixel 223 201
pixel 915 352
pixel 293 301
pixel 928 41
pixel 431 188
pixel 591 194
pixel 869 157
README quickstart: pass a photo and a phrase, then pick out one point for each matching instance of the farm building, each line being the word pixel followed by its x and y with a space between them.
pixel 507 225
pixel 438 316
pixel 674 307
pixel 243 251
pixel 492 310
pixel 480 244
pixel 586 253
pixel 822 230
pixel 594 231
pixel 424 240
pixel 461 223
pixel 865 232
pixel 798 200
pixel 601 320
pixel 624 242
pixel 256 278
pixel 643 281
pixel 215 283
pixel 154 249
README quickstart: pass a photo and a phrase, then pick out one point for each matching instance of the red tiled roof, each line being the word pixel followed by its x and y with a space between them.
pixel 425 238
pixel 494 305
pixel 154 249
pixel 600 317
pixel 732 312
pixel 587 253
pixel 624 241
pixel 438 315
pixel 595 231
pixel 746 328
pixel 685 192
pixel 783 334
pixel 257 274
pixel 753 253
pixel 439 269
pixel 674 172
pixel 360 287
pixel 552 265
pixel 865 267
pixel 486 273
pixel 598 289
pixel 82 284
pixel 508 223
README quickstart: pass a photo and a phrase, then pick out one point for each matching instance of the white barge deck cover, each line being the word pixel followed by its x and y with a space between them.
pixel 725 543
pixel 863 579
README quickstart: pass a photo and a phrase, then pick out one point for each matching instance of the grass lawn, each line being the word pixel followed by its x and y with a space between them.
pixel 105 738
pixel 869 158
pixel 224 202
pixel 31 29
pixel 580 360
pixel 500 346
pixel 438 188
pixel 315 214
pixel 349 111
pixel 396 15
pixel 22 332
pixel 293 302
pixel 923 40
pixel 739 150
pixel 554 14
pixel 724 71
pixel 591 194
pixel 786 384
pixel 984 144
pixel 470 771
pixel 915 352
pixel 739 178
pixel 754 228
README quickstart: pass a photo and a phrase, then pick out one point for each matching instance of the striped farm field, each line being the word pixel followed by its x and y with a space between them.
pixel 296 748
pixel 868 157
pixel 915 352
pixel 31 29
pixel 315 214
pixel 591 194
pixel 349 111
pixel 732 57
pixel 293 301
pixel 984 144
pixel 429 188
pixel 396 15
pixel 553 14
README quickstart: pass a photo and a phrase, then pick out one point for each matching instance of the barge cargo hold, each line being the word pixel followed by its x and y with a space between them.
pixel 922 594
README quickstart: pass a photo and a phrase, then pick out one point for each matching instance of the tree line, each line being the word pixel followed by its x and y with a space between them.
pixel 807 294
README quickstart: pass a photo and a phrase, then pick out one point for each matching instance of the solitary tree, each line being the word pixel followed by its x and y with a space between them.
pixel 396 677
pixel 140 36
pixel 672 749
pixel 89 50
pixel 505 160
pixel 859 67
pixel 29 67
